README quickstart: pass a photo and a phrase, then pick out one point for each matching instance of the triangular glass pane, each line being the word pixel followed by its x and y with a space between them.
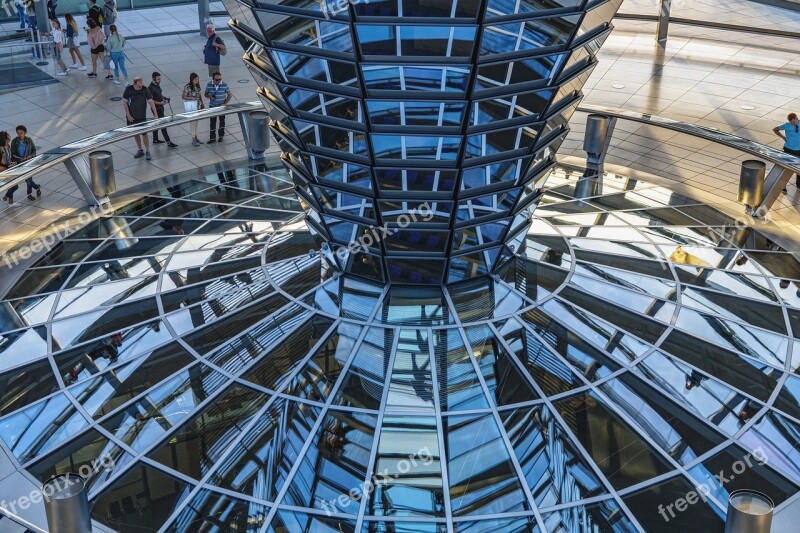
pixel 279 362
pixel 481 474
pixel 334 465
pixel 364 384
pixel 258 465
pixel 316 379
pixel 459 386
pixel 503 378
pixel 549 372
pixel 554 469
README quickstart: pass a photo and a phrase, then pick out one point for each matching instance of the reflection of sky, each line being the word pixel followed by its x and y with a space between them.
pixel 707 399
pixel 24 346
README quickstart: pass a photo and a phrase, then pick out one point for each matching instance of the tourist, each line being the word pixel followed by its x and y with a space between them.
pixel 73 43
pixel 218 95
pixel 109 16
pixel 159 100
pixel 5 163
pixel 193 100
pixel 21 13
pixel 213 50
pixel 23 149
pixel 58 46
pixel 791 139
pixel 116 46
pixel 135 101
pixel 97 47
pixel 95 13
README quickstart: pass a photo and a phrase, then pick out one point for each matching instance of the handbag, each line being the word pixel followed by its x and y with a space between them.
pixel 190 105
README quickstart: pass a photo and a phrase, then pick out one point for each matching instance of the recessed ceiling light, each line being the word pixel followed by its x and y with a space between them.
pixel 748 107
pixel 618 86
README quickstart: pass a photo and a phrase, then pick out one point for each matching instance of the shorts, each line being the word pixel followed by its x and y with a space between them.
pixel 72 43
pixel 137 121
pixel 99 50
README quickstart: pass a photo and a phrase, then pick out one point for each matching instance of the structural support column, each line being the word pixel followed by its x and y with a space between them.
pixel 775 182
pixel 78 168
pixel 662 29
pixel 203 15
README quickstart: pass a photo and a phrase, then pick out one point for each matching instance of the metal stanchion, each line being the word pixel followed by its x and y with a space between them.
pixel 749 512
pixel 751 183
pixel 596 138
pixel 101 169
pixel 66 504
pixel 258 133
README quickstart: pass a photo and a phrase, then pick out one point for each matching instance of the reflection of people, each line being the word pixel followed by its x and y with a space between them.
pixel 790 133
pixel 694 379
pixel 683 257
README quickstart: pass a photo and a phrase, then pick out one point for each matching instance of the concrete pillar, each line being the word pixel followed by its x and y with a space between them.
pixel 66 504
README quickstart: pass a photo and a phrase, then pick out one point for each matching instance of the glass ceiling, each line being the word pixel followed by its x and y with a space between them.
pixel 641 344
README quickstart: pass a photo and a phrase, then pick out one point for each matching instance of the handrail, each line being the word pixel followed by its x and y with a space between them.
pixel 20 521
pixel 768 153
pixel 19 173
pixel 709 24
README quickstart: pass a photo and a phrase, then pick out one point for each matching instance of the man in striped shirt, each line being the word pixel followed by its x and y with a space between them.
pixel 218 95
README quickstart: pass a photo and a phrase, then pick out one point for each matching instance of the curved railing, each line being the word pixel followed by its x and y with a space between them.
pixel 701 161
pixel 65 154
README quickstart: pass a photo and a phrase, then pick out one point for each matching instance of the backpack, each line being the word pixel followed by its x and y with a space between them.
pixel 98 17
pixel 224 49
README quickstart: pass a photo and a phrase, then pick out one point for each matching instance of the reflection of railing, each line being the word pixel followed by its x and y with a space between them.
pixel 65 154
pixel 784 165
pixel 18 522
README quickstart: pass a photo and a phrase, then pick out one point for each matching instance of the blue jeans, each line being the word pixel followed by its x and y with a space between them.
pixel 119 63
pixel 22 18
pixel 31 185
pixel 35 52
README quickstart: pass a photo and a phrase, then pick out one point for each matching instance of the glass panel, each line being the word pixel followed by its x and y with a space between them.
pixel 408 467
pixel 197 446
pixel 143 499
pixel 481 474
pixel 619 452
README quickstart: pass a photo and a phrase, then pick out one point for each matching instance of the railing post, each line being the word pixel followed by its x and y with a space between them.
pixel 751 183
pixel 749 512
pixel 101 169
pixel 66 504
pixel 255 132
pixel 599 131
pixel 662 30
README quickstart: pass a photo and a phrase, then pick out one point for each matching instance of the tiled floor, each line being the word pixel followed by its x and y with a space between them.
pixel 708 77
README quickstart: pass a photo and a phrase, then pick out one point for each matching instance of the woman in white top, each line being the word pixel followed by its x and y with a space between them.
pixel 58 42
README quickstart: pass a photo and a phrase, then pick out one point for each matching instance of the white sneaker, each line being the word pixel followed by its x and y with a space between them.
pixel 74 66
pixel 116 82
pixel 61 73
pixel 83 68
